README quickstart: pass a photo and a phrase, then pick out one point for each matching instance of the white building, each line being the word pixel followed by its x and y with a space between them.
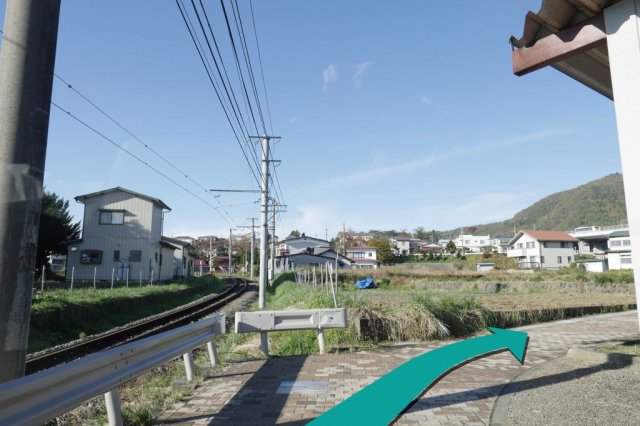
pixel 122 237
pixel 543 249
pixel 363 257
pixel 302 244
pixel 472 243
pixel 619 253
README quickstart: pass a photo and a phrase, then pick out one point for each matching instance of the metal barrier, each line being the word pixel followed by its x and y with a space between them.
pixel 308 319
pixel 37 398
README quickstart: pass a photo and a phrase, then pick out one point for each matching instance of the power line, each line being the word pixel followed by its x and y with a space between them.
pixel 264 84
pixel 201 54
pixel 111 141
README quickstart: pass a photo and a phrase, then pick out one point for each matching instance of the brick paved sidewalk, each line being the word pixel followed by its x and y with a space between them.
pixel 258 392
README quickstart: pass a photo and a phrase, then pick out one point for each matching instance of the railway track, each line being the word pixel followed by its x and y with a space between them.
pixel 137 330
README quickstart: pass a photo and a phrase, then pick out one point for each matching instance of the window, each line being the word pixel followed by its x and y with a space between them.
pixel 533 259
pixel 358 255
pixel 116 255
pixel 559 259
pixel 615 243
pixel 91 257
pixel 541 259
pixel 370 254
pixel 626 242
pixel 530 244
pixel 568 259
pixel 563 244
pixel 625 260
pixel 544 244
pixel 519 245
pixel 135 256
pixel 111 217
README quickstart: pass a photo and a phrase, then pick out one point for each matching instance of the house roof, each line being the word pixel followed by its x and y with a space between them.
pixel 325 255
pixel 175 241
pixel 304 238
pixel 544 236
pixel 361 248
pixel 571 36
pixel 157 201
pixel 618 234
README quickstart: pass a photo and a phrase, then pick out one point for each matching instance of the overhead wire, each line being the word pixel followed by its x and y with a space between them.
pixel 136 138
pixel 236 113
pixel 131 154
pixel 264 84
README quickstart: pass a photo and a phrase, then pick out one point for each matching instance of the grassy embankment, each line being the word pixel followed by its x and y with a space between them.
pixel 60 316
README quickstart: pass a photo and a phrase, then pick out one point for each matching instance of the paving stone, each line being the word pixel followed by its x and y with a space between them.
pixel 245 392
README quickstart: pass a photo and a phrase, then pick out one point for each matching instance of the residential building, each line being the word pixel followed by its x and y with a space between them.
pixel 303 259
pixel 363 257
pixel 302 244
pixel 500 243
pixel 619 251
pixel 472 243
pixel 403 246
pixel 122 238
pixel 543 249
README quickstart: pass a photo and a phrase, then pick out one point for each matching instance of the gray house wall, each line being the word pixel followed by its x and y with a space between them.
pixel 141 231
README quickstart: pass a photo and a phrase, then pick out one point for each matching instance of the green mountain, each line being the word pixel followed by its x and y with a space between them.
pixel 599 203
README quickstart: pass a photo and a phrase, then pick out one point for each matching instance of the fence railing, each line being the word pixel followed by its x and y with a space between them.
pixel 37 398
pixel 306 319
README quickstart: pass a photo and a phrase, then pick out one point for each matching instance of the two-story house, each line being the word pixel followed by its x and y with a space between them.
pixel 619 252
pixel 363 257
pixel 542 249
pixel 122 238
pixel 302 244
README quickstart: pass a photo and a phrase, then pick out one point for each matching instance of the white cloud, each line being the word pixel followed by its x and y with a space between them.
pixel 375 174
pixel 329 76
pixel 361 69
pixel 426 100
pixel 292 120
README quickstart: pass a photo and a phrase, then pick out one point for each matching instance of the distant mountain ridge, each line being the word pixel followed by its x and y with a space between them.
pixel 600 203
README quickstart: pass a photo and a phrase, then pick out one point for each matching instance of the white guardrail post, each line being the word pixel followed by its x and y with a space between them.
pixel 308 319
pixel 39 397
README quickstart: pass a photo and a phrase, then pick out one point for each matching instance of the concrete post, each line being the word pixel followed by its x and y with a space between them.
pixel 26 79
pixel 622 24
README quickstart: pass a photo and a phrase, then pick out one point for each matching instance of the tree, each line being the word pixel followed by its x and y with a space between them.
pixel 294 234
pixel 421 233
pixel 56 226
pixel 383 254
pixel 451 247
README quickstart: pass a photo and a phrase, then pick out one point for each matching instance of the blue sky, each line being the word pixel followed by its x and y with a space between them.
pixel 393 115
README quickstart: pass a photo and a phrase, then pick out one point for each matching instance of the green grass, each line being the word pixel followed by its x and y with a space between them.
pixel 61 316
pixel 629 348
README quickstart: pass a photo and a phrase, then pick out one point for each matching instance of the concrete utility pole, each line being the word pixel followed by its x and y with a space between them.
pixel 253 226
pixel 264 210
pixel 26 78
pixel 273 239
pixel 230 248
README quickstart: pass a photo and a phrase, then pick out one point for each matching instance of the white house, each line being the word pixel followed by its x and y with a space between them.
pixel 122 237
pixel 472 243
pixel 619 252
pixel 293 261
pixel 302 244
pixel 403 246
pixel 363 257
pixel 543 249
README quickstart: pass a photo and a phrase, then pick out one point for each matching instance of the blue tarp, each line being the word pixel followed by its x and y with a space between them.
pixel 366 283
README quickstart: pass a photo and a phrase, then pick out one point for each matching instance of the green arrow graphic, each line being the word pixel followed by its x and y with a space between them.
pixel 383 400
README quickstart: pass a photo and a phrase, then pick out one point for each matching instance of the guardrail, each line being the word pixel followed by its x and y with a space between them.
pixel 37 398
pixel 308 319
